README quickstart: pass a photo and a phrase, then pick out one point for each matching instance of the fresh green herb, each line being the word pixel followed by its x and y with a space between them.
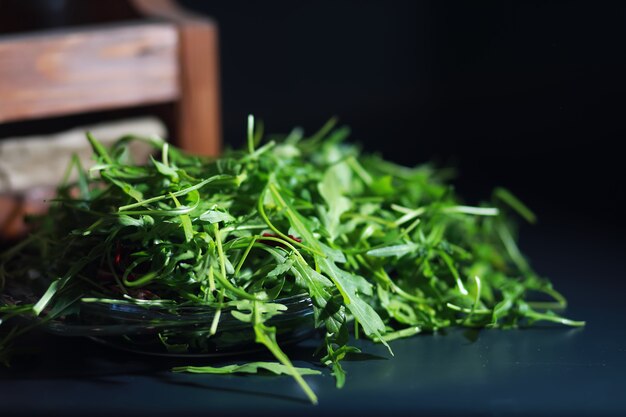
pixel 247 368
pixel 381 249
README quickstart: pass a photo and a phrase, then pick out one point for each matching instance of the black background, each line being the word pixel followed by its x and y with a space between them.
pixel 527 95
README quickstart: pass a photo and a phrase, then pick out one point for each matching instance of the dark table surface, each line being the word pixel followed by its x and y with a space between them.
pixel 546 370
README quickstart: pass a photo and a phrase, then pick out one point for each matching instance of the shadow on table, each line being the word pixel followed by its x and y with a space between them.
pixel 40 356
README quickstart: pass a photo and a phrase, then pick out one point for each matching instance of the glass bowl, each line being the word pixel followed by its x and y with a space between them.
pixel 172 330
pixel 186 331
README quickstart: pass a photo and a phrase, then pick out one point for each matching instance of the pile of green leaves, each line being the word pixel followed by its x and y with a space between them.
pixel 384 250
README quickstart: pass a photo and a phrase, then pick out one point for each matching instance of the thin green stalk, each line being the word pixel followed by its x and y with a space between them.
pixel 179 193
pixel 245 255
pixel 218 313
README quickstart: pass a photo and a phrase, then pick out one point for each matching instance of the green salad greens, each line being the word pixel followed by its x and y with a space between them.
pixel 382 250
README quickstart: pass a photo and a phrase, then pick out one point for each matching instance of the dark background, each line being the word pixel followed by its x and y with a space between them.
pixel 526 95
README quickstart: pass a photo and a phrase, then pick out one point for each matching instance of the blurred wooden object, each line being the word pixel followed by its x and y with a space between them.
pixel 68 57
pixel 76 71
pixel 165 55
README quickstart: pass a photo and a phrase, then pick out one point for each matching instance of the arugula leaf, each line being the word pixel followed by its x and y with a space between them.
pixel 348 284
pixel 395 250
pixel 266 336
pixel 215 216
pixel 332 192
pixel 247 368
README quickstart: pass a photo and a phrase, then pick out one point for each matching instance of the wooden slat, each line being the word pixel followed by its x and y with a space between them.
pixel 198 129
pixel 85 70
